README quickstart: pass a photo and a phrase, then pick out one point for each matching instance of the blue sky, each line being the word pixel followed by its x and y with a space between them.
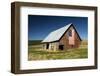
pixel 40 26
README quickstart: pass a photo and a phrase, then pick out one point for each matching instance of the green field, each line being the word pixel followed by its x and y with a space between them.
pixel 35 52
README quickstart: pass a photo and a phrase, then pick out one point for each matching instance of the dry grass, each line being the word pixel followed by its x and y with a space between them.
pixel 35 52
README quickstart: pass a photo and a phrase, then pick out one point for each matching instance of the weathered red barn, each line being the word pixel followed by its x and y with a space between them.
pixel 61 39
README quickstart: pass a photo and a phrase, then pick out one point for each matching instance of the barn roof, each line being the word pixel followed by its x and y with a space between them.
pixel 57 34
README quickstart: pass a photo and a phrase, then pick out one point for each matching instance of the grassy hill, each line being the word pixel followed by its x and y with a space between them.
pixel 34 42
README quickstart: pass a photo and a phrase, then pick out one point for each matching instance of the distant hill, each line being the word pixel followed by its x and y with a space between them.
pixel 34 42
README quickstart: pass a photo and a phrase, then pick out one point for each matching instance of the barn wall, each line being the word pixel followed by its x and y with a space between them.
pixel 77 41
pixel 53 46
pixel 44 46
pixel 64 41
pixel 74 40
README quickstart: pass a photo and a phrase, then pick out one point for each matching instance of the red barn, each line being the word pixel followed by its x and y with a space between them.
pixel 62 39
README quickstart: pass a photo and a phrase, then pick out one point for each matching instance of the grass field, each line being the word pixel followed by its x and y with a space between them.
pixel 35 52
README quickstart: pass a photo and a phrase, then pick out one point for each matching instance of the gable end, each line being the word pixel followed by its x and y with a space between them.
pixel 68 29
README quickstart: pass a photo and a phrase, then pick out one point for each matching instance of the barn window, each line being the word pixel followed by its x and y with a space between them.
pixel 69 33
pixel 61 47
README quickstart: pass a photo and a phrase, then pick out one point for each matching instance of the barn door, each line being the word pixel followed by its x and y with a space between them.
pixel 61 47
pixel 47 47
